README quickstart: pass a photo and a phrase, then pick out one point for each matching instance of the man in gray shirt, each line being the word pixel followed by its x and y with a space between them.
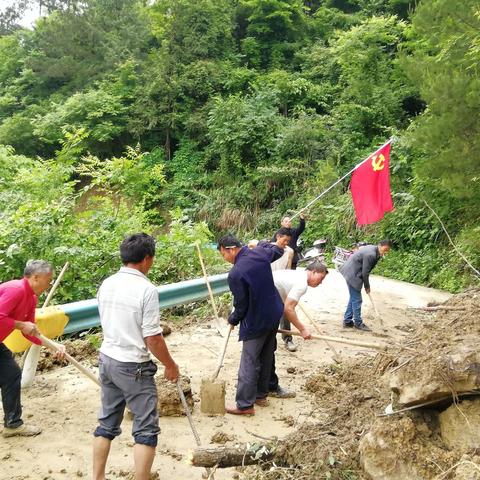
pixel 130 318
pixel 356 272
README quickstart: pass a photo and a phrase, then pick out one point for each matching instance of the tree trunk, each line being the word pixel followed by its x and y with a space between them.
pixel 225 457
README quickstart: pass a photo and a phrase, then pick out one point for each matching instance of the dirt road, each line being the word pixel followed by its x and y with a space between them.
pixel 65 404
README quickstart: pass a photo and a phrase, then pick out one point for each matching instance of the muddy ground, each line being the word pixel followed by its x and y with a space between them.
pixel 65 404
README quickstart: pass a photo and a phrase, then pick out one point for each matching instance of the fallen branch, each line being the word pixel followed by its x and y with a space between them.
pixel 477 273
pixel 346 341
pixel 440 307
pixel 226 457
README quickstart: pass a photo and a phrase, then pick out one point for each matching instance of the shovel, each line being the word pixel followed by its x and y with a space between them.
pixel 377 315
pixel 218 324
pixel 212 393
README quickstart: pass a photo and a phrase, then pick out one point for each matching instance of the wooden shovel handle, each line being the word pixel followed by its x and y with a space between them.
pixel 205 276
pixel 222 355
pixel 346 341
pixel 314 323
pixel 53 346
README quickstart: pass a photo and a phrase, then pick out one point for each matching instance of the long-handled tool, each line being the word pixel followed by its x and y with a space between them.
pixel 336 356
pixel 377 315
pixel 212 392
pixel 53 346
pixel 217 323
pixel 346 341
pixel 31 365
pixel 31 357
pixel 222 355
pixel 190 420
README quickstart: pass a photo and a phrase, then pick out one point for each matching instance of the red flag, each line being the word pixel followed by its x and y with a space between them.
pixel 370 186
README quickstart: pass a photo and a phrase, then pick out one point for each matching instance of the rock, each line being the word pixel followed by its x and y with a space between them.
pixel 221 438
pixel 169 403
pixel 467 470
pixel 382 447
pixel 457 371
pixel 167 328
pixel 460 425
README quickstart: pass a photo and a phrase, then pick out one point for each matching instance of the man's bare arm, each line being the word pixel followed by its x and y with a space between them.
pixel 292 317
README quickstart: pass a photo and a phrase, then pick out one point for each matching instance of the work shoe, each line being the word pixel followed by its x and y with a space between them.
pixel 21 431
pixel 347 324
pixel 239 411
pixel 363 328
pixel 290 346
pixel 281 392
pixel 261 402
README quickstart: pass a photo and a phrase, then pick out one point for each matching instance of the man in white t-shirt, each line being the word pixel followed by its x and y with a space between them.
pixel 130 317
pixel 292 285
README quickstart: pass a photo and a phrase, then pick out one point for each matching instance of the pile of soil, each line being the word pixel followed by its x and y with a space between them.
pixel 442 356
pixel 348 438
pixel 82 350
pixel 169 402
pixel 347 397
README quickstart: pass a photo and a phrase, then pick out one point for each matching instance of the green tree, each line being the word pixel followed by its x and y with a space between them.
pixel 270 30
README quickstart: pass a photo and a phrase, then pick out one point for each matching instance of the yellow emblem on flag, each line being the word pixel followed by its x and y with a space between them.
pixel 378 162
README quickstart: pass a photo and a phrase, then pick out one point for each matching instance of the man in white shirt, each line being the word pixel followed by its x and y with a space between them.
pixel 292 285
pixel 130 317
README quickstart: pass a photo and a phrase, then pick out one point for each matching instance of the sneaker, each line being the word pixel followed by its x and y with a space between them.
pixel 261 402
pixel 347 324
pixel 363 328
pixel 290 346
pixel 240 411
pixel 21 431
pixel 282 393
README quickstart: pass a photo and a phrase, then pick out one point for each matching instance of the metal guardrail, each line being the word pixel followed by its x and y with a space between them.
pixel 84 314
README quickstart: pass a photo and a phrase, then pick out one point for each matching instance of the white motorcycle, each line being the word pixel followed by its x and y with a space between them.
pixel 317 252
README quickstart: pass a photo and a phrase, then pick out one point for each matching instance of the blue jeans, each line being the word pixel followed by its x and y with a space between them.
pixel 354 307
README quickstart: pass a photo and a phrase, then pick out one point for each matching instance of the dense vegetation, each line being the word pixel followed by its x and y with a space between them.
pixel 222 115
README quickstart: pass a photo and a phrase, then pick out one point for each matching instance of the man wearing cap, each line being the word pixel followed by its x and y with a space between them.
pixel 257 308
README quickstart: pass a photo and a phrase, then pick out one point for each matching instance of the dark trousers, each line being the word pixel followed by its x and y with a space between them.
pixel 273 383
pixel 255 367
pixel 354 307
pixel 10 383
pixel 285 325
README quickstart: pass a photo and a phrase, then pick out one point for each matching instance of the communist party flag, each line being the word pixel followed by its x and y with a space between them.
pixel 370 186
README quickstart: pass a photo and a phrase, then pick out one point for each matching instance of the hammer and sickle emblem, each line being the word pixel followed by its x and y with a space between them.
pixel 378 162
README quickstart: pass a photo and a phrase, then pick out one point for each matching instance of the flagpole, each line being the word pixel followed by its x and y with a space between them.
pixel 339 180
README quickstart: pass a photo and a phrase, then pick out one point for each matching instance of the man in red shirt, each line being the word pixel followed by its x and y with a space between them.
pixel 18 299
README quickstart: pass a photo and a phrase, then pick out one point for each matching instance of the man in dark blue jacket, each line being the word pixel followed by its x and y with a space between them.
pixel 296 232
pixel 356 272
pixel 257 309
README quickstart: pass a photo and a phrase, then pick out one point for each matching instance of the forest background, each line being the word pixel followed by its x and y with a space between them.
pixel 191 118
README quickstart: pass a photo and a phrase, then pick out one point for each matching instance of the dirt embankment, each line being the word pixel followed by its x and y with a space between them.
pixel 350 437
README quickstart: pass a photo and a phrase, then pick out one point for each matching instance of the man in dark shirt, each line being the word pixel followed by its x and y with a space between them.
pixel 356 272
pixel 296 232
pixel 257 309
